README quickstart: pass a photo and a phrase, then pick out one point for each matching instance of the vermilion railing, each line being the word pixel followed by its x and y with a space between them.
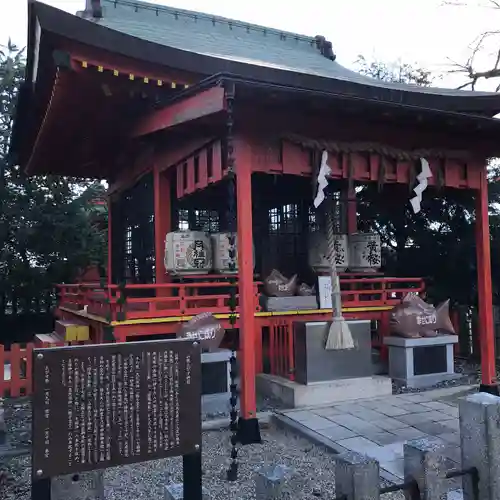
pixel 191 298
pixel 281 348
pixel 15 370
pixel 152 300
pixel 378 291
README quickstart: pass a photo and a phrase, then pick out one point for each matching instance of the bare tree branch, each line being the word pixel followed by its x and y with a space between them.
pixel 477 47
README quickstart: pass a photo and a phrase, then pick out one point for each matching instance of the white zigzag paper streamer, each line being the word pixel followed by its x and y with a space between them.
pixel 324 171
pixel 422 177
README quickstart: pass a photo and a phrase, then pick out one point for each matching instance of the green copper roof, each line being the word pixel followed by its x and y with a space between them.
pixel 213 36
pixel 234 41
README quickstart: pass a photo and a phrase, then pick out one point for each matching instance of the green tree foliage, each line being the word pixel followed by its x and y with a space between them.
pixel 438 243
pixel 48 228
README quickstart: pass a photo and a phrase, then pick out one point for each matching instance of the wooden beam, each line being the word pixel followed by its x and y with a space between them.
pixel 52 113
pixel 141 164
pixel 205 103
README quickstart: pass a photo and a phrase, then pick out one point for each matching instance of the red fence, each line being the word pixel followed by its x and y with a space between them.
pixel 281 348
pixel 150 300
pixel 18 361
pixel 211 293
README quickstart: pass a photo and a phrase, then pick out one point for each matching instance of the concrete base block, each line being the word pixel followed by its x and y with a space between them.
pixel 357 476
pixel 295 395
pixel 175 491
pixel 85 486
pixel 274 482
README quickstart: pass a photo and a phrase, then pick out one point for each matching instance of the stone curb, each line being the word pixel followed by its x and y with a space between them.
pixel 218 424
pixel 286 423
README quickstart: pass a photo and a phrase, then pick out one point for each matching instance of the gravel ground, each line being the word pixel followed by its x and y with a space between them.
pixel 313 471
pixel 313 466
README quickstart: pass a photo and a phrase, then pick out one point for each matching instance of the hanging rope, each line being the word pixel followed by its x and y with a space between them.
pixel 232 472
pixel 375 148
pixel 339 334
pixel 330 233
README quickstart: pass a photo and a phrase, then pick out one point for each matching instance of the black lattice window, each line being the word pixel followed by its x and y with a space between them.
pixel 287 242
pixel 133 234
pixel 183 220
pixel 128 241
pixel 207 220
pixel 274 220
pixel 291 222
pixel 129 263
pixel 199 220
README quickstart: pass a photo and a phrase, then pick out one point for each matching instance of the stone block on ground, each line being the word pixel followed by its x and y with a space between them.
pixel 425 462
pixel 175 491
pixel 480 443
pixel 357 476
pixel 274 482
pixel 85 486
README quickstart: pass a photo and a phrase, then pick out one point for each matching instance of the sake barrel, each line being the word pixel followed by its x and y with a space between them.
pixel 188 252
pixel 365 253
pixel 220 249
pixel 318 252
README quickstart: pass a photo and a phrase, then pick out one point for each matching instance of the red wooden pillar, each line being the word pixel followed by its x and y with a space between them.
pixel 246 290
pixel 486 330
pixel 349 194
pixel 109 271
pixel 352 222
pixel 163 219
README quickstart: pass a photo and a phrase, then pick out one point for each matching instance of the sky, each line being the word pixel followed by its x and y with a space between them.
pixel 426 32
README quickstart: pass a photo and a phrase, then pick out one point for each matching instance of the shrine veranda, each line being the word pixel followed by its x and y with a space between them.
pixel 200 123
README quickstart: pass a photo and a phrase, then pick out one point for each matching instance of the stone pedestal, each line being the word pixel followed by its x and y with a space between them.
pixel 315 364
pixel 421 362
pixel 294 395
pixel 215 381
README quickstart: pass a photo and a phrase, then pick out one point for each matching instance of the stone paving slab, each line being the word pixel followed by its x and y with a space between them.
pixel 380 427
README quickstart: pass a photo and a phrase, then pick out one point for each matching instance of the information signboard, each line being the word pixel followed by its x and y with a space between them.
pixel 105 405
